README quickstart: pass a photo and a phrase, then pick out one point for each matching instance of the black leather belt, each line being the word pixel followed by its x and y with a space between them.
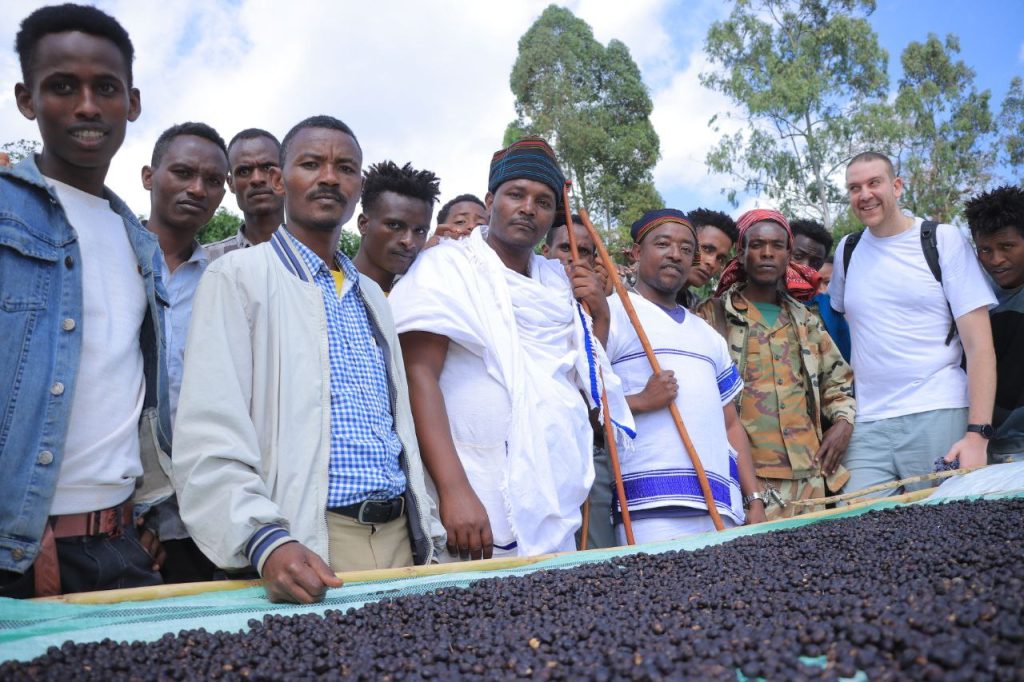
pixel 373 511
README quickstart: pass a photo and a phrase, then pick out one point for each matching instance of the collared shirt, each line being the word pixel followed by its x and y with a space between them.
pixel 181 288
pixel 236 241
pixel 773 407
pixel 364 445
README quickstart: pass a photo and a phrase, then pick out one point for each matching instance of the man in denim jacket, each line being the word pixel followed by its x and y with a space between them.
pixel 83 413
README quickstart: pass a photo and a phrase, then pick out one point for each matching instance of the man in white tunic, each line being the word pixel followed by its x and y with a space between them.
pixel 661 484
pixel 497 355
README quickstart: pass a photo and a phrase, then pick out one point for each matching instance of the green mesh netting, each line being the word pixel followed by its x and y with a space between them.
pixel 27 629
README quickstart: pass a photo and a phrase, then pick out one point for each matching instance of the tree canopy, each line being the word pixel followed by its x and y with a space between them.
pixel 589 101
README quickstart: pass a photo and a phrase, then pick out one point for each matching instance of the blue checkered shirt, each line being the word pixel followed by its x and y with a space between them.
pixel 364 445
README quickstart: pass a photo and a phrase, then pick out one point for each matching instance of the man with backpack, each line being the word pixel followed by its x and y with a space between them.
pixel 909 283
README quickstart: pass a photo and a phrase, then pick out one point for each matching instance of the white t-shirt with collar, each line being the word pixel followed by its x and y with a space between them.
pixel 899 320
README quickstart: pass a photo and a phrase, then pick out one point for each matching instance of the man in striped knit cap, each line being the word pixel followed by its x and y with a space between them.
pixel 497 353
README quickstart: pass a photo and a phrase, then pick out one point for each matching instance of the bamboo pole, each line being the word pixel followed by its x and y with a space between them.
pixel 609 429
pixel 192 589
pixel 702 476
pixel 934 476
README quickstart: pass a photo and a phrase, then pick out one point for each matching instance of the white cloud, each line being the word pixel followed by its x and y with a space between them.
pixel 419 82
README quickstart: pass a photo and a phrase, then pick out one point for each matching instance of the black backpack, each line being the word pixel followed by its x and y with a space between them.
pixel 930 247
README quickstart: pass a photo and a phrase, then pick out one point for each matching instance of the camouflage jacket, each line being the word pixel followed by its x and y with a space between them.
pixel 829 377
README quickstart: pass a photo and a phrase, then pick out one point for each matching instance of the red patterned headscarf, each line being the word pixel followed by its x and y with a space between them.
pixel 801 281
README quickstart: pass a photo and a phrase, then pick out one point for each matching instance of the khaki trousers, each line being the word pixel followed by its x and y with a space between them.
pixel 356 546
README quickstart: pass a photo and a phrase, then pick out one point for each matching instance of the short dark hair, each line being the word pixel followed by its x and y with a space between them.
pixel 701 217
pixel 66 18
pixel 814 231
pixel 442 215
pixel 190 128
pixel 253 134
pixel 873 156
pixel 830 259
pixel 321 121
pixel 386 176
pixel 549 238
pixel 990 212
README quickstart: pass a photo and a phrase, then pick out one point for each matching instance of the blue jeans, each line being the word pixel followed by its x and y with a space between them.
pixel 89 563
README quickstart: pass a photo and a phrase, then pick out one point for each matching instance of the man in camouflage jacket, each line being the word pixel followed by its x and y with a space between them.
pixel 793 374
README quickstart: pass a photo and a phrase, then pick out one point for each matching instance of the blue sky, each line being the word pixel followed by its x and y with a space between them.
pixel 427 81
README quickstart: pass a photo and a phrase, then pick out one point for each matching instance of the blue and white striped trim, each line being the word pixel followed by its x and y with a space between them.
pixel 730 383
pixel 663 351
pixel 666 486
pixel 263 542
pixel 595 387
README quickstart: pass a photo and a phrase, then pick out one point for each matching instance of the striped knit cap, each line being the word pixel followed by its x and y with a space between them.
pixel 653 219
pixel 531 158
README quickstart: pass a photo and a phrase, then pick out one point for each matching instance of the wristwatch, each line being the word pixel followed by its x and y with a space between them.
pixel 985 430
pixel 748 499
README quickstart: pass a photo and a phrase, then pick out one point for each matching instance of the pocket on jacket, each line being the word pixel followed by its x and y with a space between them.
pixel 26 267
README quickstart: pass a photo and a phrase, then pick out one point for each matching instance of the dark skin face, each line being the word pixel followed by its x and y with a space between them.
pixel 715 246
pixel 522 212
pixel 664 259
pixel 321 180
pixel 1002 255
pixel 188 185
pixel 79 96
pixel 252 162
pixel 467 214
pixel 394 230
pixel 808 252
pixel 765 256
pixel 559 247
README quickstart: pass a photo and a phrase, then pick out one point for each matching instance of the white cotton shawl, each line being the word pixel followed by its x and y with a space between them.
pixel 535 341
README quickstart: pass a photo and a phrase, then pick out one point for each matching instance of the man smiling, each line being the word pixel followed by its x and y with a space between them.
pixel 81 318
pixel 397 206
pixel 295 400
pixel 914 402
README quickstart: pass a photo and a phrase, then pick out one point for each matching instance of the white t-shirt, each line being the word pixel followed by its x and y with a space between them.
pixel 657 471
pixel 899 320
pixel 101 454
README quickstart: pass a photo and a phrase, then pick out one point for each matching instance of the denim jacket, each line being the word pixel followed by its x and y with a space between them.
pixel 40 334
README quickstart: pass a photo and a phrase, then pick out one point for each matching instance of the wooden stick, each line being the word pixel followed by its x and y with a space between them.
pixel 702 476
pixel 585 528
pixel 190 589
pixel 934 476
pixel 609 429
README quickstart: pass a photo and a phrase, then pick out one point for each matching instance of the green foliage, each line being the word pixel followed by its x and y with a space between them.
pixel 946 134
pixel 798 73
pixel 348 243
pixel 590 103
pixel 222 225
pixel 19 149
pixel 1010 146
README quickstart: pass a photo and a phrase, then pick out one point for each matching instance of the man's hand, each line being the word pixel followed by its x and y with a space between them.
pixel 755 513
pixel 5 159
pixel 660 391
pixel 465 519
pixel 293 573
pixel 972 450
pixel 151 544
pixel 448 230
pixel 833 447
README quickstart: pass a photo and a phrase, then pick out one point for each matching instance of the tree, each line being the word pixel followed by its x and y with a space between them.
pixel 348 243
pixel 798 72
pixel 1010 146
pixel 222 225
pixel 946 130
pixel 591 104
pixel 19 149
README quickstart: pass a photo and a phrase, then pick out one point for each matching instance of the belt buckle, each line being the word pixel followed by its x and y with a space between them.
pixel 362 510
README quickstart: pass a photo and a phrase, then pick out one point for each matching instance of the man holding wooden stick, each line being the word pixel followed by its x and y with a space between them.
pixel 497 351
pixel 661 484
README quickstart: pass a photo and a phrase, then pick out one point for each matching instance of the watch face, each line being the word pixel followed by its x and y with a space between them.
pixel 985 430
